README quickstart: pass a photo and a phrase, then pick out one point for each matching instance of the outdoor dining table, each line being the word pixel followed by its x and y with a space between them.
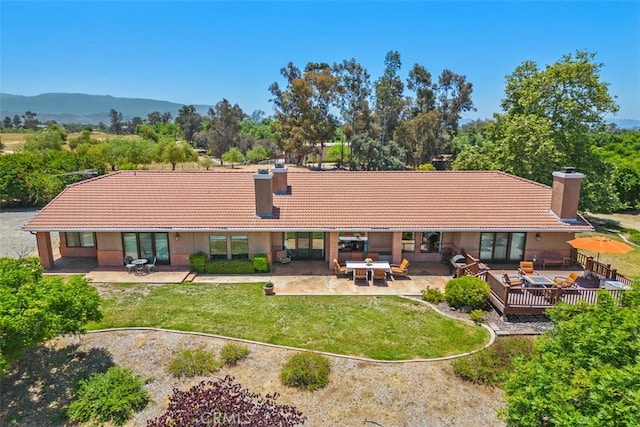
pixel 139 263
pixel 537 281
pixel 352 265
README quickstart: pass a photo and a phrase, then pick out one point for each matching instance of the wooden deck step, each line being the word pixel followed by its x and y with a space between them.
pixel 190 277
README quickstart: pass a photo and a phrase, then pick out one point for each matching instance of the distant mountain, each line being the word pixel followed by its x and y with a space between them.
pixel 85 109
pixel 625 123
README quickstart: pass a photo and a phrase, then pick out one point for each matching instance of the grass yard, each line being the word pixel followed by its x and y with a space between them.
pixel 383 328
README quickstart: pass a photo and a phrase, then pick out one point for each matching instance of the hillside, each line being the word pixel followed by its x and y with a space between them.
pixel 83 108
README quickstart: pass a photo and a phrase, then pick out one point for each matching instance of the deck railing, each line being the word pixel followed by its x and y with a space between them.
pixel 528 300
pixel 598 269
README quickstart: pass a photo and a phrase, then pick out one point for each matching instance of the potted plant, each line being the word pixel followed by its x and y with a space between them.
pixel 268 288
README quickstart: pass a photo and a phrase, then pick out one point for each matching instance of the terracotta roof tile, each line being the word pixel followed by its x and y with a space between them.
pixel 146 200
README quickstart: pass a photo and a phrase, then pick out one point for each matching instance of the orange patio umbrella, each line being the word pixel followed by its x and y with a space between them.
pixel 600 244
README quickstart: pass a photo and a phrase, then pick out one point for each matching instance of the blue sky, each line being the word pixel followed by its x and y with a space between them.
pixel 199 52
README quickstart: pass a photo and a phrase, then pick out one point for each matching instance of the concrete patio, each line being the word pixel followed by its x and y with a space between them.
pixel 295 278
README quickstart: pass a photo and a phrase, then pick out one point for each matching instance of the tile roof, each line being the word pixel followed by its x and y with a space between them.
pixel 341 200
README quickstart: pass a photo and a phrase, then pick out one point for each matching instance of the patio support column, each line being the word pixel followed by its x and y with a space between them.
pixel 333 248
pixel 43 240
pixel 396 247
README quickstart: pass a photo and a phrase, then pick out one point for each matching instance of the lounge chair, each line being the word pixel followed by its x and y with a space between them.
pixel 129 266
pixel 380 274
pixel 400 270
pixel 526 268
pixel 282 257
pixel 567 282
pixel 511 281
pixel 151 265
pixel 339 269
pixel 360 273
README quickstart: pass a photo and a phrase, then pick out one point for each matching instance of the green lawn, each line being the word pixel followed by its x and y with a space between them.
pixel 385 328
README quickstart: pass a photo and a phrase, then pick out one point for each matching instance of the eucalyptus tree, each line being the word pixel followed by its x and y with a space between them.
pixel 303 108
pixel 189 121
pixel 433 115
pixel 224 127
pixel 389 96
pixel 116 121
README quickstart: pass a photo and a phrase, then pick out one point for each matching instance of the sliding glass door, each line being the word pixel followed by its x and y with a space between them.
pixel 502 247
pixel 147 245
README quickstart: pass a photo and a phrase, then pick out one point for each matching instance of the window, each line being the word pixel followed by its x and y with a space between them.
pixel 218 247
pixel 240 247
pixel 79 240
pixel 408 241
pixel 352 242
pixel 430 241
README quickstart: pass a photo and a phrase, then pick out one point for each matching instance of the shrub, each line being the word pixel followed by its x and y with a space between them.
pixel 190 363
pixel 493 365
pixel 467 291
pixel 432 295
pixel 306 370
pixel 110 396
pixel 233 352
pixel 229 266
pixel 477 315
pixel 261 263
pixel 225 402
pixel 197 262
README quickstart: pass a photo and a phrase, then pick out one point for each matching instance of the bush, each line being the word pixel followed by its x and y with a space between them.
pixel 197 262
pixel 232 353
pixel 190 363
pixel 230 266
pixel 432 295
pixel 493 365
pixel 225 402
pixel 477 315
pixel 467 291
pixel 261 263
pixel 306 370
pixel 110 396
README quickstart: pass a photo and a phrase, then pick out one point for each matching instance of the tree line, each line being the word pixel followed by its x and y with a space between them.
pixel 551 117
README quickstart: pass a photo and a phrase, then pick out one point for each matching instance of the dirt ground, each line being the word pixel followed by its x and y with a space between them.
pixel 359 392
pixel 628 219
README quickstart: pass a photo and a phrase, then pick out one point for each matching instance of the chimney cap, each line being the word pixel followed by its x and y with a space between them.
pixel 568 169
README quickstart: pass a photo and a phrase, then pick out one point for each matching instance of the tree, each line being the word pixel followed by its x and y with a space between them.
pixel 33 308
pixel 30 120
pixel 389 101
pixel 6 122
pixel 232 155
pixel 585 372
pixel 17 121
pixel 116 121
pixel 224 128
pixel 189 121
pixel 303 109
pixel 175 153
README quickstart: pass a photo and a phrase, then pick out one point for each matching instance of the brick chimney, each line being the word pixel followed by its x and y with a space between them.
pixel 565 193
pixel 264 193
pixel 280 184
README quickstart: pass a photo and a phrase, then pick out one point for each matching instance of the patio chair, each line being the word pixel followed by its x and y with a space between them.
pixel 526 268
pixel 151 265
pixel 360 273
pixel 282 257
pixel 571 281
pixel 339 269
pixel 511 281
pixel 400 270
pixel 129 266
pixel 380 274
